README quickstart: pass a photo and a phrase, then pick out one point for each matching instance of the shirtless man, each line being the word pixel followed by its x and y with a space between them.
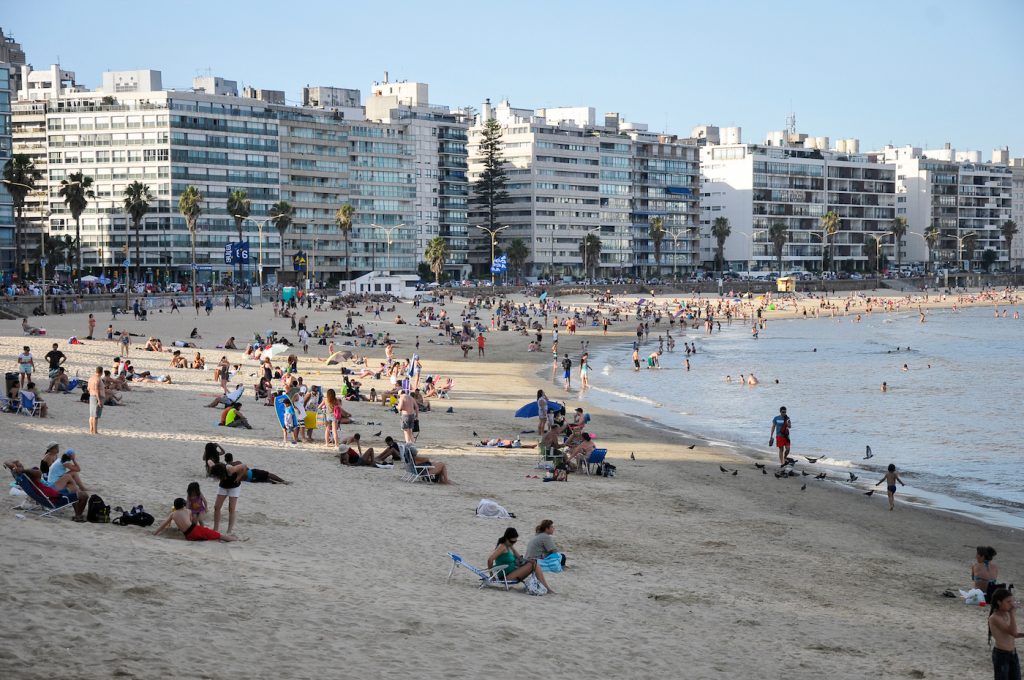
pixel 1002 626
pixel 97 396
pixel 407 408
pixel 182 518
pixel 890 478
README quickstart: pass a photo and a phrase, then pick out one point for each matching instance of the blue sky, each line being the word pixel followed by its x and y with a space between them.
pixel 919 72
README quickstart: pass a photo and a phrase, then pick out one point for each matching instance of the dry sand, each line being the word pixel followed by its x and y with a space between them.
pixel 676 569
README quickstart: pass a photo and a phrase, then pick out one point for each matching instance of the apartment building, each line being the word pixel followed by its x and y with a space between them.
pixel 7 247
pixel 1017 211
pixel 439 137
pixel 955 192
pixel 794 179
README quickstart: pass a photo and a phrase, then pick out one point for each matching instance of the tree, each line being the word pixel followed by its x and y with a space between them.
pixel 720 229
pixel 931 237
pixel 57 250
pixel 190 206
pixel 657 234
pixel 238 206
pixel 489 189
pixel 136 205
pixel 969 245
pixel 988 258
pixel 898 231
pixel 873 251
pixel 830 223
pixel 778 235
pixel 517 253
pixel 437 255
pixel 590 250
pixel 76 192
pixel 282 212
pixel 20 176
pixel 343 218
pixel 1008 229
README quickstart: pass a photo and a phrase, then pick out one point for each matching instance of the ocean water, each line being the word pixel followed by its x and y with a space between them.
pixel 951 422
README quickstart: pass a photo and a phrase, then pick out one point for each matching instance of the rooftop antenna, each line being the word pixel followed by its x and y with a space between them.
pixel 791 123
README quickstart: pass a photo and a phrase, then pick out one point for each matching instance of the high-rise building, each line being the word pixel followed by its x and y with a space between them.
pixel 438 135
pixel 795 180
pixel 956 193
pixel 7 249
pixel 1017 212
pixel 13 55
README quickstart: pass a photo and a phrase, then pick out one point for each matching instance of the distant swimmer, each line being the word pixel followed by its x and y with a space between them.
pixel 752 379
pixel 753 331
pixel 885 387
pixel 728 378
pixel 905 368
pixel 891 477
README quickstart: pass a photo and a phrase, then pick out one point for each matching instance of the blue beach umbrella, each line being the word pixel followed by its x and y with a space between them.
pixel 530 410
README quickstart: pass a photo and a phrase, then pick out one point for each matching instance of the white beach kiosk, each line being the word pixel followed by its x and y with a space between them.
pixel 381 283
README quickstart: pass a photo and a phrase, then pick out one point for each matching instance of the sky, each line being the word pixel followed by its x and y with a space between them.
pixel 917 72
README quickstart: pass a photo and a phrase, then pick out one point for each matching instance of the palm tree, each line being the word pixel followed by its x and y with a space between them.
pixel 1009 229
pixel 590 250
pixel 517 254
pixel 830 223
pixel 720 230
pixel 55 249
pixel 931 237
pixel 20 176
pixel 238 206
pixel 437 255
pixel 76 192
pixel 190 206
pixel 282 212
pixel 343 219
pixel 969 245
pixel 778 235
pixel 657 234
pixel 136 205
pixel 898 231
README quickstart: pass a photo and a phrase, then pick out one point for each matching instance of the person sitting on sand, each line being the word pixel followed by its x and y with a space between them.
pixel 222 400
pixel 60 381
pixel 232 416
pixel 112 383
pixel 394 450
pixel 505 557
pixel 65 473
pixel 194 335
pixel 178 361
pixel 78 500
pixel 355 456
pixel 181 516
pixel 984 574
pixel 230 344
pixel 542 545
pixel 154 345
pixel 198 362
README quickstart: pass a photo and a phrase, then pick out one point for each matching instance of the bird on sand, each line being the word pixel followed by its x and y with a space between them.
pixel 868 493
pixel 853 477
pixel 804 487
pixel 867 453
pixel 759 466
pixel 475 434
pixel 821 476
pixel 691 446
pixel 812 461
pixel 722 469
pixel 763 471
pixel 735 472
pixel 379 433
pixel 632 456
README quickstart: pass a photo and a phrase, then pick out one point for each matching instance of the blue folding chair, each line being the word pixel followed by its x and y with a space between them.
pixel 596 457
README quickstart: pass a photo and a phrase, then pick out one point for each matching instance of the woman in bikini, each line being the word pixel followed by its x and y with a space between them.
pixel 984 574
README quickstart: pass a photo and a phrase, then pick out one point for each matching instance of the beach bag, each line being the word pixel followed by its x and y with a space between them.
pixel 416 425
pixel 551 563
pixel 973 597
pixel 533 586
pixel 97 511
pixel 136 517
pixel 310 420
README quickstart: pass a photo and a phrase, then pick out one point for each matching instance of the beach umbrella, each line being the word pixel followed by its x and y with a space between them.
pixel 275 350
pixel 104 280
pixel 88 279
pixel 530 410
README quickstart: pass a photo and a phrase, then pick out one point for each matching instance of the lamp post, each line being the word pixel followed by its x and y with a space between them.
pixel 586 248
pixel 259 226
pixel 878 251
pixel 494 241
pixel 388 231
pixel 675 248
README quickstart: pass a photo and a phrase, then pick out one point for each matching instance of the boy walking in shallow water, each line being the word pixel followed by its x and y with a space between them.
pixel 890 478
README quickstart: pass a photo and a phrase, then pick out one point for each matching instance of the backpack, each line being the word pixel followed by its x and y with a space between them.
pixel 97 511
pixel 137 517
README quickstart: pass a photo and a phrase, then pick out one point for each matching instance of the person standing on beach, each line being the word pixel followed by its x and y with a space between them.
pixel 407 409
pixel 636 358
pixel 25 365
pixel 779 435
pixel 92 327
pixel 97 396
pixel 890 478
pixel 1002 628
pixel 567 370
pixel 543 415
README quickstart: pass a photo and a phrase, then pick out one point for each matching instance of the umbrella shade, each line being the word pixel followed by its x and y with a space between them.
pixel 275 350
pixel 104 280
pixel 530 410
pixel 89 279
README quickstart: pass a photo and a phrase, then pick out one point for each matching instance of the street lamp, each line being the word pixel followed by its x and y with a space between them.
pixel 388 231
pixel 960 243
pixel 259 226
pixel 494 241
pixel 878 250
pixel 586 248
pixel 675 247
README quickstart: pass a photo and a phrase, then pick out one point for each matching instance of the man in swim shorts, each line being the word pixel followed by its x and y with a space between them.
pixel 182 518
pixel 779 435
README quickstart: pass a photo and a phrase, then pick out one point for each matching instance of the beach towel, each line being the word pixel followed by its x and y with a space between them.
pixel 551 563
pixel 489 509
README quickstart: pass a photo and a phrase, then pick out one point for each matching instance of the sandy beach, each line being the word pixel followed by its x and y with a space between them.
pixel 676 570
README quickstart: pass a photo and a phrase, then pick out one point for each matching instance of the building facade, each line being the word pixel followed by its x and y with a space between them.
pixel 1017 212
pixel 7 229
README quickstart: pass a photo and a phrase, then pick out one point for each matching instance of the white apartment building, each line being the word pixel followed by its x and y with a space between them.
pixel 439 137
pixel 956 193
pixel 795 180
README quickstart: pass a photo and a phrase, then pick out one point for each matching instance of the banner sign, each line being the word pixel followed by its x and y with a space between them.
pixel 236 253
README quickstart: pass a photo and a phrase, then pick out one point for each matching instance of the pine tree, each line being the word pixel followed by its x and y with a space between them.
pixel 489 190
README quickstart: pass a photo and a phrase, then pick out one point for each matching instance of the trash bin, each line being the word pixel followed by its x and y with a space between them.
pixel 10 381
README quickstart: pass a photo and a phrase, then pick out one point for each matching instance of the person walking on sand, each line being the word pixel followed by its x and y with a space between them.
pixel 480 342
pixel 97 397
pixel 890 478
pixel 779 436
pixel 1002 628
pixel 567 371
pixel 407 409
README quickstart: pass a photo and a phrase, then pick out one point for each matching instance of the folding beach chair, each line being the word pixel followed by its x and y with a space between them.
pixel 46 506
pixel 495 576
pixel 414 472
pixel 30 406
pixel 596 457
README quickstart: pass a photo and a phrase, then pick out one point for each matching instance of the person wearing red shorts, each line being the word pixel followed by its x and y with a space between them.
pixel 780 434
pixel 182 518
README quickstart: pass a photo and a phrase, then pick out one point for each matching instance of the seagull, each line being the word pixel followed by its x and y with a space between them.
pixel 759 466
pixel 632 456
pixel 867 453
pixel 789 461
pixel 378 434
pixel 868 493
pixel 691 446
pixel 822 475
pixel 853 477
pixel 450 410
pixel 735 472
pixel 812 461
pixel 804 487
pixel 722 468
pixel 804 473
pixel 475 434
